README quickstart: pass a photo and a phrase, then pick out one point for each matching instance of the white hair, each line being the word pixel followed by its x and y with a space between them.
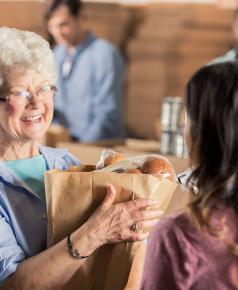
pixel 25 49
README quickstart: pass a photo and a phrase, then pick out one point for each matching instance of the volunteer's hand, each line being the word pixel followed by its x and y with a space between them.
pixel 114 223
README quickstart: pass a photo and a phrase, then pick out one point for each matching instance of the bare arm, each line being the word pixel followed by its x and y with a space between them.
pixel 53 268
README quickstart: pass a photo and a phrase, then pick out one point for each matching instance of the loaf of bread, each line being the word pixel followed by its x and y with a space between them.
pixel 160 166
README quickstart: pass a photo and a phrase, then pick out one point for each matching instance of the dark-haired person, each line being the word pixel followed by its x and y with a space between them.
pixel 198 248
pixel 90 74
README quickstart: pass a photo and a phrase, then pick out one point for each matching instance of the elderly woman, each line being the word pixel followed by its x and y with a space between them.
pixel 27 86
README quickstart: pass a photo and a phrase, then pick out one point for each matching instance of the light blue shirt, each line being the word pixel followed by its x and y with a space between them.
pixel 23 222
pixel 231 55
pixel 89 99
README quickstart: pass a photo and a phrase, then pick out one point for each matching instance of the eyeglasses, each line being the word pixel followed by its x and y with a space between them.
pixel 45 92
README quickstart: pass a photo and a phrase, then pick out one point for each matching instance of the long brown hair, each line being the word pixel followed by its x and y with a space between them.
pixel 212 106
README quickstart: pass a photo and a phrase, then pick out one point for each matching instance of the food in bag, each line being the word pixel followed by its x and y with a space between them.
pixel 135 171
pixel 140 164
pixel 159 166
pixel 113 158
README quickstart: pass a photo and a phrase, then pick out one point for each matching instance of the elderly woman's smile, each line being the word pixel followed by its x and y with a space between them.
pixel 28 109
pixel 31 119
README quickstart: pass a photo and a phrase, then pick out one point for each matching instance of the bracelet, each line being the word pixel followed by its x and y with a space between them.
pixel 74 252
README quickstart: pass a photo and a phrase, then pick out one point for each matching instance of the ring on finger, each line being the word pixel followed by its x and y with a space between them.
pixel 135 227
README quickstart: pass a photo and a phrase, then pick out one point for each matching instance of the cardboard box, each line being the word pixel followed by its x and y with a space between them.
pixel 55 134
pixel 87 154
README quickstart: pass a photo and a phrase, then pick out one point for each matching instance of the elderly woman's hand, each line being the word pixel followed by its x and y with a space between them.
pixel 123 221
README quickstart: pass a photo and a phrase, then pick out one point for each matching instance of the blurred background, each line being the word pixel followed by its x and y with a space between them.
pixel 163 43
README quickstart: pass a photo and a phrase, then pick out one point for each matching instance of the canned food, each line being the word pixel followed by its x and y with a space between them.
pixel 173 143
pixel 172 111
pixel 166 115
pixel 180 150
pixel 166 142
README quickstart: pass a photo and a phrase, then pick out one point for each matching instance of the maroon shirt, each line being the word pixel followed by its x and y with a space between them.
pixel 179 256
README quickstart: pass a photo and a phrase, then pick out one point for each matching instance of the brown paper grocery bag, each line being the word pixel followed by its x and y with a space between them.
pixel 136 272
pixel 71 199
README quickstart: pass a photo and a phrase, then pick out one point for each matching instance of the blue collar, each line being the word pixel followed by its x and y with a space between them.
pixel 51 156
pixel 88 39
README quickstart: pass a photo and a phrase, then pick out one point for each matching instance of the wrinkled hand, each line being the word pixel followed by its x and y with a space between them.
pixel 113 223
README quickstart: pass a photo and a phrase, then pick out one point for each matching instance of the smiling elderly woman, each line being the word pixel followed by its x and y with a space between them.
pixel 27 88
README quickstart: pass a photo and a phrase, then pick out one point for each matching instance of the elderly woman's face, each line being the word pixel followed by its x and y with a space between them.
pixel 29 121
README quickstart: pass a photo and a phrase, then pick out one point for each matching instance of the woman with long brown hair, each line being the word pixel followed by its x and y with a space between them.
pixel 198 248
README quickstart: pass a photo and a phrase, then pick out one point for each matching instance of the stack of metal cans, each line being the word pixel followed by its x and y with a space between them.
pixel 172 124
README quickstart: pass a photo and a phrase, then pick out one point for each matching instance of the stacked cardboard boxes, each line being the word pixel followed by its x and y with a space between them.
pixel 172 42
pixel 27 15
pixel 108 20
